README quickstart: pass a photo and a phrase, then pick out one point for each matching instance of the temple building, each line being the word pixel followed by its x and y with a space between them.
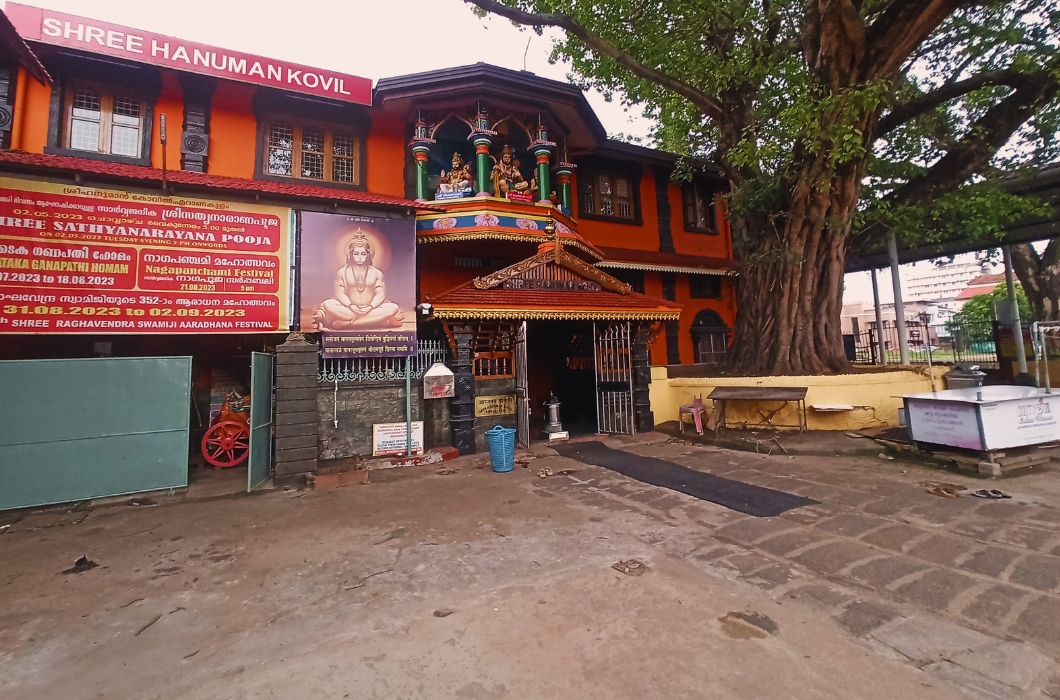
pixel 160 197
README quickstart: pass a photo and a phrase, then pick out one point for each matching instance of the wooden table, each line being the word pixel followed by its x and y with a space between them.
pixel 784 394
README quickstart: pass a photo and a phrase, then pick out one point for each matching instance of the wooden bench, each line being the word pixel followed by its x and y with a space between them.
pixel 785 394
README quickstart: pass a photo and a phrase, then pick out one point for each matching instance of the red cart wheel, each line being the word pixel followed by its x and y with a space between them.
pixel 226 444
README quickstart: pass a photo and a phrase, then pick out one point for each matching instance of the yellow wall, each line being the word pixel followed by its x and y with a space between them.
pixel 875 395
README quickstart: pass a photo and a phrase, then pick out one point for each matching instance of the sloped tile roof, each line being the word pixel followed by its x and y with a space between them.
pixel 466 301
pixel 655 260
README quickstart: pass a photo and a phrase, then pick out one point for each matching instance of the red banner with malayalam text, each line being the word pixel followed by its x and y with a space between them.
pixel 85 260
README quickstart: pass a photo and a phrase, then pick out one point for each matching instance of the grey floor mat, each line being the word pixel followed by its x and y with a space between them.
pixel 736 495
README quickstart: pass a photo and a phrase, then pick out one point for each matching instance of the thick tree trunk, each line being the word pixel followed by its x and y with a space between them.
pixel 1039 275
pixel 791 282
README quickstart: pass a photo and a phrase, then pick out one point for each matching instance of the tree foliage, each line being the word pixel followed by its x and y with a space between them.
pixel 979 310
pixel 837 122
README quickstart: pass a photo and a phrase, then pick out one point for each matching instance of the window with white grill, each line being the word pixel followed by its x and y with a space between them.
pixel 312 152
pixel 606 194
pixel 104 120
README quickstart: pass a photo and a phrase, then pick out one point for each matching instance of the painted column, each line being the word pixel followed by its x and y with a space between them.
pixel 421 151
pixel 462 405
pixel 482 164
pixel 879 319
pixel 899 307
pixel 1024 376
pixel 482 137
pixel 544 187
pixel 563 173
pixel 542 149
pixel 642 413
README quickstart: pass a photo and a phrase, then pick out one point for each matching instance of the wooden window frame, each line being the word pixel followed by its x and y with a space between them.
pixel 591 174
pixel 297 127
pixel 107 94
pixel 692 190
pixel 692 291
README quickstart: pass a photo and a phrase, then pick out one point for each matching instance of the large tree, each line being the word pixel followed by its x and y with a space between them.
pixel 834 120
pixel 1039 274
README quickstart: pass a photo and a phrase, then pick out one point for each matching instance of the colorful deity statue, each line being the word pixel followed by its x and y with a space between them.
pixel 459 179
pixel 506 176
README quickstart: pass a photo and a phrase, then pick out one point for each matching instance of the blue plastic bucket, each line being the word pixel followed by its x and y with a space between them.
pixel 501 441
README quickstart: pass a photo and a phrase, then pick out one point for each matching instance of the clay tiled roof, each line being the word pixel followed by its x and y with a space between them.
pixel 467 302
pixel 146 176
pixel 666 262
pixel 983 284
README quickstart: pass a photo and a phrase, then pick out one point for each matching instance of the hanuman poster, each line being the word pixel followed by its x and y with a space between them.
pixel 358 284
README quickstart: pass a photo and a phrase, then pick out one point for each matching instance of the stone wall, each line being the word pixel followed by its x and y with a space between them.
pixel 492 387
pixel 296 409
pixel 360 404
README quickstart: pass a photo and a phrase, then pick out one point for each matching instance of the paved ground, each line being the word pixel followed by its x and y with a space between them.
pixel 477 585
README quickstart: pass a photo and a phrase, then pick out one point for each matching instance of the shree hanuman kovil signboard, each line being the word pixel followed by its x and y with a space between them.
pixel 89 260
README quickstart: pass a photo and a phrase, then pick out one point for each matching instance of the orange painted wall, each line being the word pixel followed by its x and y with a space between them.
pixel 438 273
pixel 724 307
pixel 714 245
pixel 35 120
pixel 171 103
pixel 621 235
pixel 233 131
pixel 386 157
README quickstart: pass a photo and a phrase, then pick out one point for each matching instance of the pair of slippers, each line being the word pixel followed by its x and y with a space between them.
pixel 952 492
pixel 993 494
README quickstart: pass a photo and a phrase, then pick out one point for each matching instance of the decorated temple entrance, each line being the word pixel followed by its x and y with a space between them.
pixel 551 324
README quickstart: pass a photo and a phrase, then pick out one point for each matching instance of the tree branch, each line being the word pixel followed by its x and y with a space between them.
pixel 901 114
pixel 900 30
pixel 706 104
pixel 974 151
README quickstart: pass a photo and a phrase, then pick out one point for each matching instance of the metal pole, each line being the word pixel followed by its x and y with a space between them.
pixel 1017 327
pixel 596 379
pixel 931 372
pixel 879 318
pixel 408 406
pixel 899 308
pixel 1036 346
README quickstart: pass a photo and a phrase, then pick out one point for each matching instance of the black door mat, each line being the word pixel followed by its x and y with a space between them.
pixel 735 495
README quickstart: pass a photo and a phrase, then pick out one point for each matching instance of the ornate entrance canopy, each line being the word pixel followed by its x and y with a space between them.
pixel 551 285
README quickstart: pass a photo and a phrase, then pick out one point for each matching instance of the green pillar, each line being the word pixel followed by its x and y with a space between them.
pixel 482 164
pixel 421 151
pixel 544 187
pixel 563 173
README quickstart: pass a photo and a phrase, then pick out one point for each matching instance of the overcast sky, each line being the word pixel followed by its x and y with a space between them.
pixel 376 39
pixel 370 38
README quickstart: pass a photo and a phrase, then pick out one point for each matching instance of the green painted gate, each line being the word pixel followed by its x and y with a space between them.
pixel 259 463
pixel 87 428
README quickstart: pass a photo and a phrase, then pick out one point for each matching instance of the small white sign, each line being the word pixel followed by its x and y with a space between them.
pixel 391 439
pixel 944 423
pixel 1024 422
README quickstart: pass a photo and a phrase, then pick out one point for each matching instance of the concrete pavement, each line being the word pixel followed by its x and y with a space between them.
pixel 480 585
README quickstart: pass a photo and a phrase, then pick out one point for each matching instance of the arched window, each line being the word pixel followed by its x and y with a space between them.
pixel 710 338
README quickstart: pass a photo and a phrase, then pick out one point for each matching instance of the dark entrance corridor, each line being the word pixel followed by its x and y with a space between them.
pixel 560 360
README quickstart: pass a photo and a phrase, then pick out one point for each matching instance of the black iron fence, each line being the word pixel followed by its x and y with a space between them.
pixel 945 344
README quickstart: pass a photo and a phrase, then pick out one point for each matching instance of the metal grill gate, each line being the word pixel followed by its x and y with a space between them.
pixel 522 390
pixel 614 377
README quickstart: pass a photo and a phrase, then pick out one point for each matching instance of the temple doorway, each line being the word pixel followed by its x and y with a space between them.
pixel 559 360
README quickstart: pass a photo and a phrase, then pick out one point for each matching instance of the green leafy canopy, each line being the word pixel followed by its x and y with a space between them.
pixel 979 310
pixel 973 103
